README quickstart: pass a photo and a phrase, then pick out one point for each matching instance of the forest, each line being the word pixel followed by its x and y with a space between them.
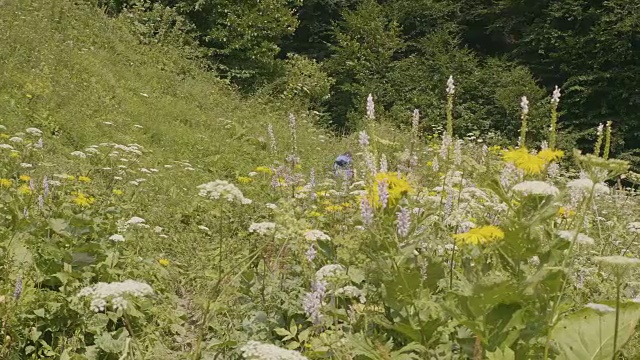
pixel 328 55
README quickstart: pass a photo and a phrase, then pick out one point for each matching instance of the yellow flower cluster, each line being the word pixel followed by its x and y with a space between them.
pixel 244 179
pixel 480 235
pixel 82 200
pixel 6 183
pixel 398 186
pixel 264 170
pixel 529 163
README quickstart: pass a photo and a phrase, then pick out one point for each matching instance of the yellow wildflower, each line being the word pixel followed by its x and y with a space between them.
pixel 25 178
pixel 163 262
pixel 5 183
pixel 117 192
pixel 70 177
pixel 264 170
pixel 480 235
pixel 397 188
pixel 522 159
pixel 24 190
pixel 429 163
pixel 83 200
pixel 315 214
pixel 549 155
pixel 4 136
pixel 84 179
pixel 346 204
pixel 244 179
pixel 564 212
pixel 333 208
pixel 14 154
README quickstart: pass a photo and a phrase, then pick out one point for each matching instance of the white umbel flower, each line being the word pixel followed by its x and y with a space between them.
pixel 79 154
pixel 315 235
pixel 585 185
pixel 116 238
pixel 600 308
pixel 34 131
pixel 328 271
pixel 262 228
pixel 634 227
pixel 103 293
pixel 580 238
pixel 535 188
pixel 254 350
pixel 220 189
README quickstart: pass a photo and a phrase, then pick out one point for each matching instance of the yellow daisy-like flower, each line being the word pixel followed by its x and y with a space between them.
pixel 397 188
pixel 5 183
pixel 117 192
pixel 163 262
pixel 84 179
pixel 429 163
pixel 25 178
pixel 24 190
pixel 264 170
pixel 70 177
pixel 315 214
pixel 549 155
pixel 4 136
pixel 14 154
pixel 480 235
pixel 522 159
pixel 83 200
pixel 244 179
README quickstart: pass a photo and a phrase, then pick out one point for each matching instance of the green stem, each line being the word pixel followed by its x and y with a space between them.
pixel 615 333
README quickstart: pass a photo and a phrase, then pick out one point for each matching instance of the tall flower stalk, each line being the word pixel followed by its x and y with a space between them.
pixel 451 89
pixel 607 141
pixel 524 105
pixel 555 100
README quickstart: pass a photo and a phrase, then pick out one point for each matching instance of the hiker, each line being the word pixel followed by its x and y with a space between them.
pixel 342 166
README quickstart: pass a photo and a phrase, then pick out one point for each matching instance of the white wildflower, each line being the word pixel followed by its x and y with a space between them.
pixel 331 270
pixel 580 238
pixel 451 88
pixel 116 238
pixel 254 350
pixel 203 228
pixel 262 228
pixel 79 154
pixel 585 185
pixel 353 292
pixel 315 235
pixel 6 146
pixel 271 206
pixel 524 105
pixel 535 188
pixel 34 131
pixel 16 139
pixel 101 293
pixel 555 99
pixel 220 189
pixel 26 165
pixel 634 227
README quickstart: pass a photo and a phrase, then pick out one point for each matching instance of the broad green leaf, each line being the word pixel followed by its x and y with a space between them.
pixel 282 332
pixel 499 354
pixel 293 328
pixel 111 344
pixel 59 226
pixel 588 335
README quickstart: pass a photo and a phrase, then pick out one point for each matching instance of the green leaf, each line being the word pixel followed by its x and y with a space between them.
pixel 39 312
pixel 499 354
pixel 109 344
pixel 282 332
pixel 356 275
pixel 293 329
pixel 293 345
pixel 588 335
pixel 59 226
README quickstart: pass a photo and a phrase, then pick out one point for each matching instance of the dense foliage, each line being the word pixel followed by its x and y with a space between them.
pixel 399 49
pixel 149 212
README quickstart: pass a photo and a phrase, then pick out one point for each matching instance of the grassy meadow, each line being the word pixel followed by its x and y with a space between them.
pixel 148 211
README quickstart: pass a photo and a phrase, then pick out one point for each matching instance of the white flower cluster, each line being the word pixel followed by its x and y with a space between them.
pixel 352 292
pixel 585 185
pixel 103 293
pixel 331 270
pixel 580 238
pixel 116 238
pixel 34 131
pixel 315 235
pixel 262 228
pixel 254 350
pixel 535 188
pixel 79 154
pixel 634 227
pixel 222 189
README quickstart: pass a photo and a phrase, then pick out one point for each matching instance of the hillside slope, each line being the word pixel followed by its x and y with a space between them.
pixel 84 81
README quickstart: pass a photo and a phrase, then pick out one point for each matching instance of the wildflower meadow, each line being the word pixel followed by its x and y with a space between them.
pixel 422 244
